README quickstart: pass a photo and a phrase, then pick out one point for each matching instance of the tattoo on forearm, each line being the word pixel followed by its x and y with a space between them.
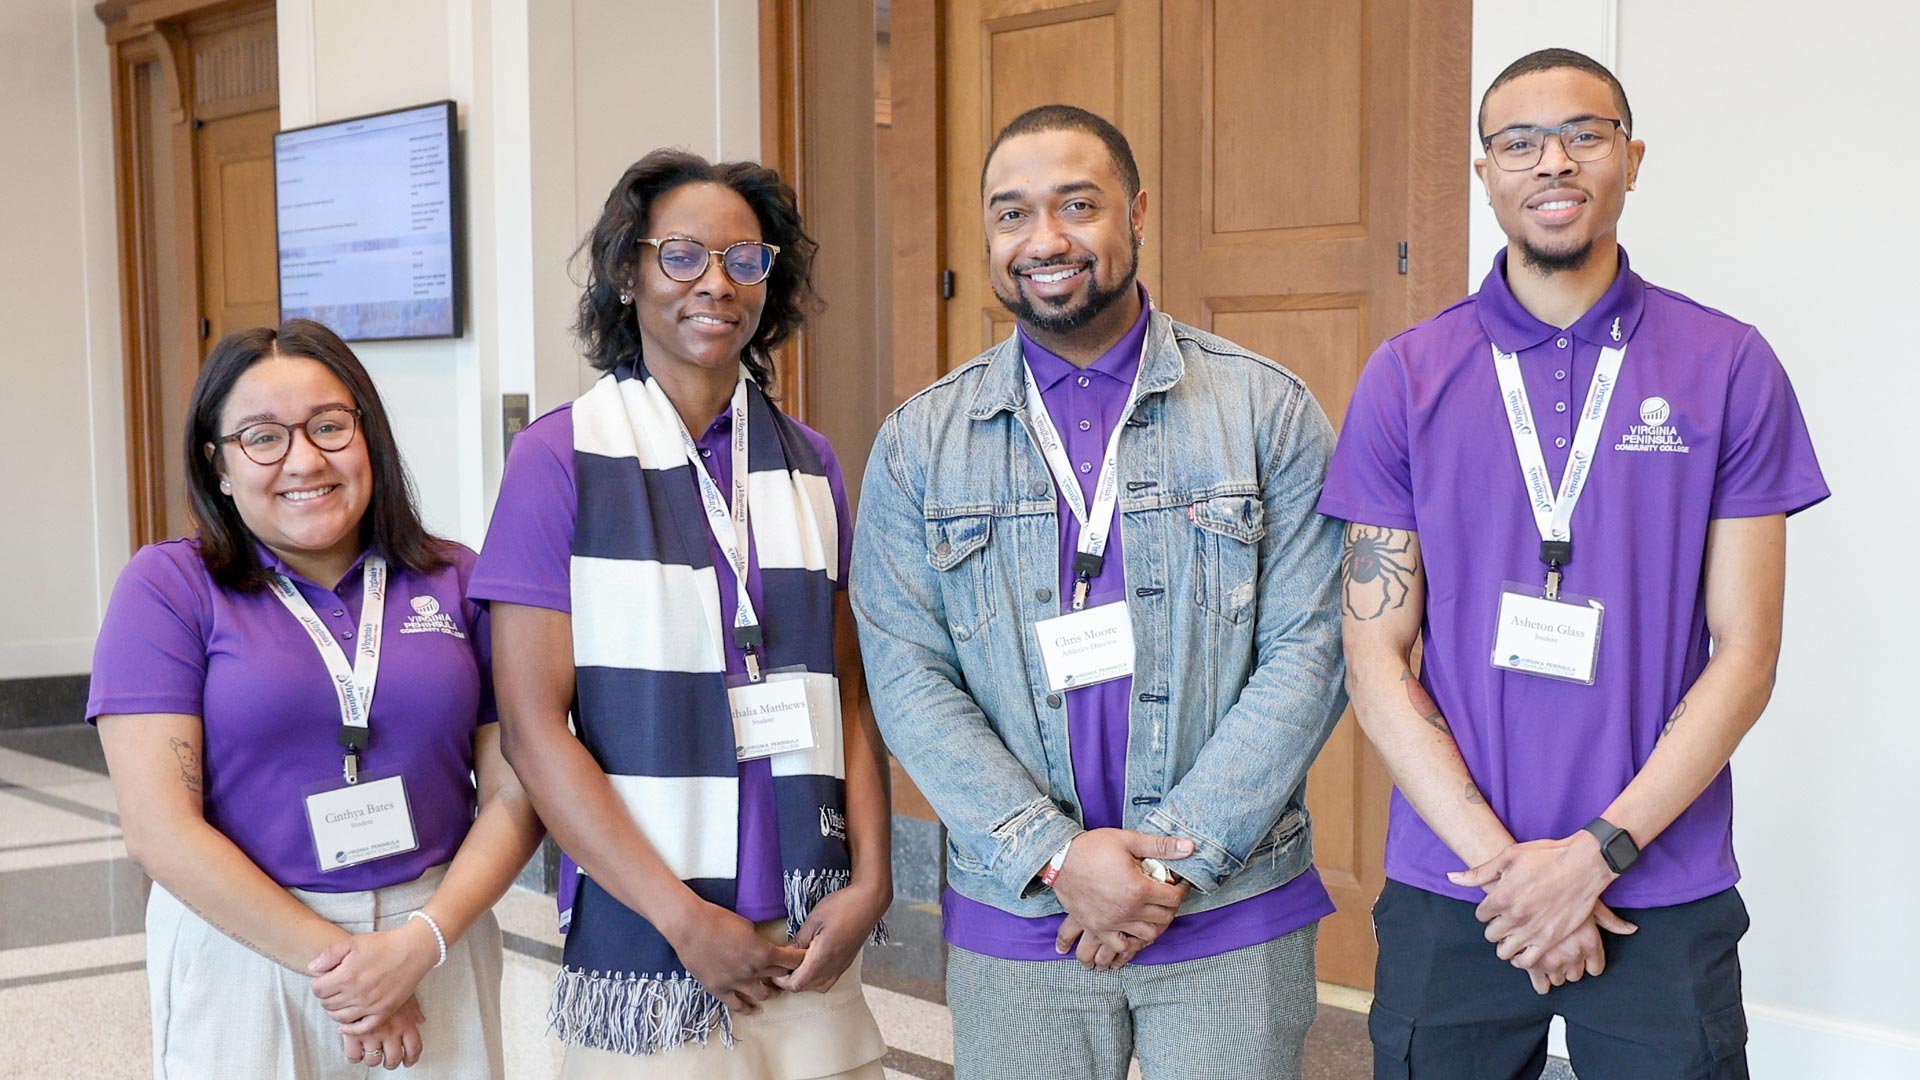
pixel 1376 570
pixel 189 756
pixel 1673 717
pixel 1423 702
pixel 1473 794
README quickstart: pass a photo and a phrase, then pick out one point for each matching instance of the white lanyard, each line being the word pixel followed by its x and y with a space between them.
pixel 1095 524
pixel 352 685
pixel 1553 514
pixel 730 529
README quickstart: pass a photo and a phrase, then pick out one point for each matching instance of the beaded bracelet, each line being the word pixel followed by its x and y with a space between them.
pixel 438 938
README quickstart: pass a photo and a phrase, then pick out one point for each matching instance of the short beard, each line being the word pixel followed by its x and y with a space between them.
pixel 1065 320
pixel 1554 262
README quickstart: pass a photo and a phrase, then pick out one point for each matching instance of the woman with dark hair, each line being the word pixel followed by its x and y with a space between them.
pixel 667 562
pixel 325 843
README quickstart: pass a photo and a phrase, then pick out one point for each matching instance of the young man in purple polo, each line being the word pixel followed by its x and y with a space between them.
pixel 1576 484
pixel 1099 618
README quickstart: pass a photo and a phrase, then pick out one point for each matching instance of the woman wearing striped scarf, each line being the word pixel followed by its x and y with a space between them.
pixel 667 561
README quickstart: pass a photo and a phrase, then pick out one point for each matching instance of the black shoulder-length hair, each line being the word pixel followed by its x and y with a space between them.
pixel 391 522
pixel 607 328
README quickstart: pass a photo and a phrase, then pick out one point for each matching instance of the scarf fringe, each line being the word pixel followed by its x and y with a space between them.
pixel 635 1014
pixel 806 888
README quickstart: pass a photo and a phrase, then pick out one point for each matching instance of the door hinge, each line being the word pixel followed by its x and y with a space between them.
pixel 1403 256
pixel 946 284
pixel 206 329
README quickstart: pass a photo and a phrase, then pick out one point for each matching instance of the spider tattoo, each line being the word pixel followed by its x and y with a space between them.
pixel 1371 560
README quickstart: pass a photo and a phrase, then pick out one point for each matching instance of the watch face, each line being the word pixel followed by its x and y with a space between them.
pixel 1621 851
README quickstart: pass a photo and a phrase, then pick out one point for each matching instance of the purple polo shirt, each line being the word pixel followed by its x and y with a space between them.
pixel 1086 406
pixel 526 560
pixel 1703 425
pixel 174 641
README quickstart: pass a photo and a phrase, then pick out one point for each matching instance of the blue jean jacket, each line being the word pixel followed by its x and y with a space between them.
pixel 1232 574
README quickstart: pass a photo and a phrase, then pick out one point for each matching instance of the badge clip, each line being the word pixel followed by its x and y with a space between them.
pixel 1086 566
pixel 350 767
pixel 747 639
pixel 1555 553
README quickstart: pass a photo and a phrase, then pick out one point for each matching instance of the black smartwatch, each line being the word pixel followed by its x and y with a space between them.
pixel 1615 845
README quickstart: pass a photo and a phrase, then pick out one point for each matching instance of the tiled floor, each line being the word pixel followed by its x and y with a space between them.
pixel 73 993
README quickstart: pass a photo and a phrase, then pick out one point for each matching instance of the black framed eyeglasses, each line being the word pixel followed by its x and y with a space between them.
pixel 1516 149
pixel 267 442
pixel 747 262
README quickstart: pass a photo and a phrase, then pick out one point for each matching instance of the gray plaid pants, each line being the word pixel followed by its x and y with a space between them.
pixel 1242 1015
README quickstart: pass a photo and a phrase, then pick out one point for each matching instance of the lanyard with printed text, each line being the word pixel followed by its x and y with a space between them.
pixel 1553 514
pixel 1096 524
pixel 352 685
pixel 730 528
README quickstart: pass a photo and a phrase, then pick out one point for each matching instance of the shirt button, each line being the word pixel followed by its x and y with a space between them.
pixel 1562 343
pixel 1086 466
pixel 704 452
pixel 1560 374
pixel 1560 443
pixel 346 635
pixel 1084 381
pixel 337 613
pixel 1559 406
pixel 1043 594
pixel 1053 701
pixel 1086 425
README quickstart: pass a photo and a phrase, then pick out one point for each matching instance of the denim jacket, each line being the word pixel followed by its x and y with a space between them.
pixel 1231 577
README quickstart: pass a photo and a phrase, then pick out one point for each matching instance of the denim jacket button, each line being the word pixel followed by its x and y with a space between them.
pixel 1039 488
pixel 1053 700
pixel 942 548
pixel 1043 594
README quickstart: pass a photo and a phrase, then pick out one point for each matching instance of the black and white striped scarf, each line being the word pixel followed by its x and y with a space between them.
pixel 650 672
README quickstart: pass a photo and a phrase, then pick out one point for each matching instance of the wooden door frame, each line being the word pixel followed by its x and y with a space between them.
pixel 141 32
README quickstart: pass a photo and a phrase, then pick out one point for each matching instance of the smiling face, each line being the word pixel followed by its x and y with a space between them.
pixel 707 322
pixel 1062 236
pixel 1557 212
pixel 307 506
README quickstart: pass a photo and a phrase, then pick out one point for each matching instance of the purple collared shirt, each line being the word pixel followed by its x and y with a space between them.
pixel 526 560
pixel 1703 425
pixel 174 641
pixel 1086 405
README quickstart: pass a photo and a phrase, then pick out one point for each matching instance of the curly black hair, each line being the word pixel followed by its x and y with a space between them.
pixel 607 328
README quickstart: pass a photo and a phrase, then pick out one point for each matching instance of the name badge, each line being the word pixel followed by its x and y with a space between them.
pixel 1086 647
pixel 772 716
pixel 358 823
pixel 1555 639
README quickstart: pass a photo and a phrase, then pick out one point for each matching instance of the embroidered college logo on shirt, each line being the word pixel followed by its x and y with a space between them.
pixel 427 618
pixel 1653 434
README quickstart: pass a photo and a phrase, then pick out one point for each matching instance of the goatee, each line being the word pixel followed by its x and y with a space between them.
pixel 1554 262
pixel 1060 319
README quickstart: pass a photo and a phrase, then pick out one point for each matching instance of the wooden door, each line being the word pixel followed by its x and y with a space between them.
pixel 1288 151
pixel 239 276
pixel 1004 57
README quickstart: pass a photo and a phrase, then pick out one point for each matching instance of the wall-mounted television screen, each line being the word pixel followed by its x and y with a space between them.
pixel 370 224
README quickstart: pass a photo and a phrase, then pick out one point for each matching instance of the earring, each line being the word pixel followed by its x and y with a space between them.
pixel 626 299
pixel 226 487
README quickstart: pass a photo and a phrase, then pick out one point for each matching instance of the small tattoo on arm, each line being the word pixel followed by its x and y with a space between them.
pixel 189 757
pixel 1674 717
pixel 1423 702
pixel 1473 794
pixel 1376 570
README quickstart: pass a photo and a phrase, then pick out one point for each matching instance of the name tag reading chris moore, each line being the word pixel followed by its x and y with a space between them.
pixel 1086 647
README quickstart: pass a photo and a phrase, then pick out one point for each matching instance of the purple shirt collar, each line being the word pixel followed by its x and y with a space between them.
pixel 1120 363
pixel 1514 329
pixel 276 565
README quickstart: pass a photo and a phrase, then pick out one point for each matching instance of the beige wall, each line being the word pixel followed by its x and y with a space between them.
pixel 62 447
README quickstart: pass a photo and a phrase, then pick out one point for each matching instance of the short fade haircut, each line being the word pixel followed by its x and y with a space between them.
pixel 1553 60
pixel 1071 118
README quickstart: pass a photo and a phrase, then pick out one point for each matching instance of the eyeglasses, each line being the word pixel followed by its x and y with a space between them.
pixel 1519 148
pixel 747 262
pixel 267 442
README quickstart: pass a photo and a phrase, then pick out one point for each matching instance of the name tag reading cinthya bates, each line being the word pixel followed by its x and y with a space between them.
pixel 1541 632
pixel 1086 645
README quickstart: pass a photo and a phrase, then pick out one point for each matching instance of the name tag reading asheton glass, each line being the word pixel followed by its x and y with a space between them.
pixel 1086 647
pixel 1556 639
pixel 360 822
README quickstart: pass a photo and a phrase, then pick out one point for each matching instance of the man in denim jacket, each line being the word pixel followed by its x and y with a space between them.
pixel 1101 631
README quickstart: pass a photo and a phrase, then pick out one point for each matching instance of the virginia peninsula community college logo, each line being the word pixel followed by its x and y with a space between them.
pixel 1654 434
pixel 427 618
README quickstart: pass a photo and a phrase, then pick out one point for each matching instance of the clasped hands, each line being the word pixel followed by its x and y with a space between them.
pixel 366 983
pixel 1543 909
pixel 1113 909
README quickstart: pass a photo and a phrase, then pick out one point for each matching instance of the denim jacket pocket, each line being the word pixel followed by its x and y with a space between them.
pixel 1228 530
pixel 957 548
